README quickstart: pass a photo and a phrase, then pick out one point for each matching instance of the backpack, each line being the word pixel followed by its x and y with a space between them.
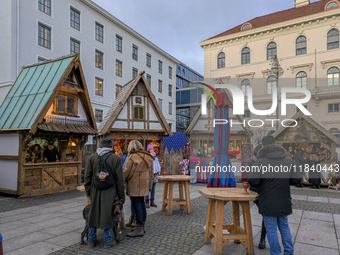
pixel 103 178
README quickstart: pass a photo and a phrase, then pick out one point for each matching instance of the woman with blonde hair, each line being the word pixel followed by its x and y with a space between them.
pixel 138 174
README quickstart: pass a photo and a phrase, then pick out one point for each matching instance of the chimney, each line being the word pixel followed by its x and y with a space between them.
pixel 299 3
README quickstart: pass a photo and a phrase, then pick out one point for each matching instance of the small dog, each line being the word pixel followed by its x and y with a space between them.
pixel 118 214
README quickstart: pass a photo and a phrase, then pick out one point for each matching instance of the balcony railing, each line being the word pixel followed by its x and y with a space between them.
pixel 325 89
pixel 65 120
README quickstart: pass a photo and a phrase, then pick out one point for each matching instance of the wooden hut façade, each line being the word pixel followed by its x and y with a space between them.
pixel 136 115
pixel 201 133
pixel 308 135
pixel 48 103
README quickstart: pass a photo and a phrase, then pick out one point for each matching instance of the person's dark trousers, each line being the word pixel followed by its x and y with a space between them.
pixel 140 210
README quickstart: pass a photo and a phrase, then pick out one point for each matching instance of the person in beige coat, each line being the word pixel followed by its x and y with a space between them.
pixel 138 173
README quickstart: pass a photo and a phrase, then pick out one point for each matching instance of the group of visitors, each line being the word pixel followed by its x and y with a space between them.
pixel 137 169
pixel 189 167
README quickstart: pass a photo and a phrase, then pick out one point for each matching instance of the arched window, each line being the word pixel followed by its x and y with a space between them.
pixel 271 50
pixel 245 84
pixel 301 80
pixel 332 5
pixel 245 56
pixel 336 132
pixel 221 60
pixel 246 26
pixel 301 45
pixel 333 39
pixel 333 76
pixel 271 83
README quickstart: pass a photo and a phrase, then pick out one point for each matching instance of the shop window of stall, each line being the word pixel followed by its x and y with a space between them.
pixel 138 113
pixel 65 104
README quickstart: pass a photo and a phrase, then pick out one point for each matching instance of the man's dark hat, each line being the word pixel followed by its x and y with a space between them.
pixel 50 143
pixel 106 142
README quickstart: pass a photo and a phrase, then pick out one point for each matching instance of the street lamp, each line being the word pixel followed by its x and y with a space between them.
pixel 277 71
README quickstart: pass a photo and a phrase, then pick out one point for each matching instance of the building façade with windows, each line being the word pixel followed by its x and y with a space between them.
pixel 111 52
pixel 188 96
pixel 306 41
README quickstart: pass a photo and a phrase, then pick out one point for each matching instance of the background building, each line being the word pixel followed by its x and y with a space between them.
pixel 111 52
pixel 188 97
pixel 305 39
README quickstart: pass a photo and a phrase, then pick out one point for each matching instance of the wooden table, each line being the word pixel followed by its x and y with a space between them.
pixel 221 196
pixel 169 181
pixel 88 201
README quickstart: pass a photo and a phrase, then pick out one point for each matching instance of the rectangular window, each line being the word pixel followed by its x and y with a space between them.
pixel 65 104
pixel 170 108
pixel 45 6
pixel 273 114
pixel 134 52
pixel 160 66
pixel 160 86
pixel 119 45
pixel 99 32
pixel 75 18
pixel 333 107
pixel 99 87
pixel 148 78
pixel 99 59
pixel 98 115
pixel 170 72
pixel 139 113
pixel 44 36
pixel 134 72
pixel 74 46
pixel 160 103
pixel 170 126
pixel 118 89
pixel 170 90
pixel 119 66
pixel 148 60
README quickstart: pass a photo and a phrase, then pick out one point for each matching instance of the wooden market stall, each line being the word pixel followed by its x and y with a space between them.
pixel 48 104
pixel 308 135
pixel 201 133
pixel 135 115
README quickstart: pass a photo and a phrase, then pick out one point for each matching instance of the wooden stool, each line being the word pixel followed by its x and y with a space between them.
pixel 88 201
pixel 221 196
pixel 169 182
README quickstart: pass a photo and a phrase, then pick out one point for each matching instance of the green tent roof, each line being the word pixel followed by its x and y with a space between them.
pixel 30 92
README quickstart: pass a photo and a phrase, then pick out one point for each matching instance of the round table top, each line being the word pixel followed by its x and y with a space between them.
pixel 176 178
pixel 228 194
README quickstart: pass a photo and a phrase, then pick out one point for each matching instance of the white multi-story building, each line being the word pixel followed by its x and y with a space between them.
pixel 111 52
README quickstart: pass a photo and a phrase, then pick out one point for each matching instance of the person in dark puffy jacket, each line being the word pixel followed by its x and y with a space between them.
pixel 262 243
pixel 276 173
pixel 314 176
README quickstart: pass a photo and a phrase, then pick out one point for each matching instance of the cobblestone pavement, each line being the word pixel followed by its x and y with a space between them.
pixel 8 203
pixel 58 232
pixel 177 234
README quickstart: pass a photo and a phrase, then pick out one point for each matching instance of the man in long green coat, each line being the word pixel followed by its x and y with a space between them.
pixel 101 211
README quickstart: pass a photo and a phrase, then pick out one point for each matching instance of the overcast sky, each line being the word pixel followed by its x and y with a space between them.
pixel 177 26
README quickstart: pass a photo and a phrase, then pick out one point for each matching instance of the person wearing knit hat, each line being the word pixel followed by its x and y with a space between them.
pixel 156 171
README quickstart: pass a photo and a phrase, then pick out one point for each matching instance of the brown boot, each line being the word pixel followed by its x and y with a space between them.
pixel 152 202
pixel 139 231
pixel 134 222
pixel 113 242
pixel 94 244
pixel 147 203
pixel 130 222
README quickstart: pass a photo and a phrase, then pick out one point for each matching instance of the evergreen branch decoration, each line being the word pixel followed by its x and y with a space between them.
pixel 302 133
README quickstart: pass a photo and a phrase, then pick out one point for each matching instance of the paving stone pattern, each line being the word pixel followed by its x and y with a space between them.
pixel 177 234
pixel 8 203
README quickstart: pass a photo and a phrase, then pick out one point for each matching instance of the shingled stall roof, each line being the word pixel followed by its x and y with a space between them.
pixel 34 91
pixel 120 101
pixel 277 17
pixel 300 115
